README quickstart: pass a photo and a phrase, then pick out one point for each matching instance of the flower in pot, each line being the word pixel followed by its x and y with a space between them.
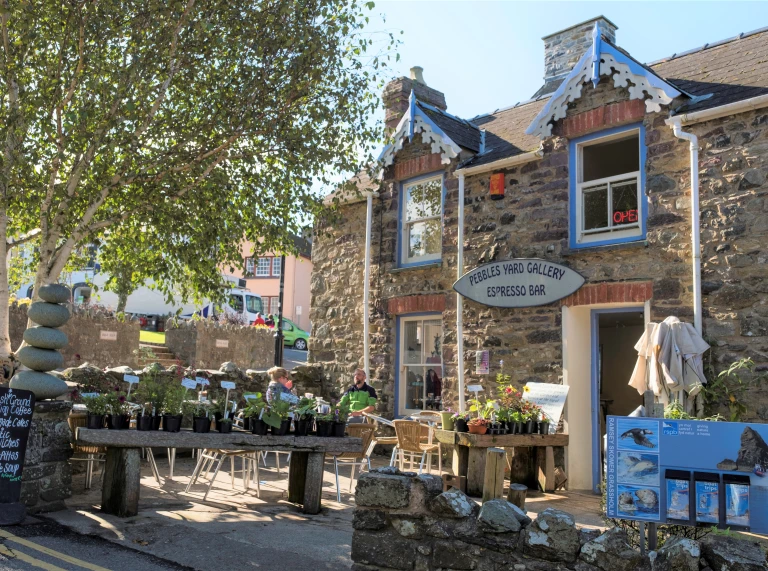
pixel 446 417
pixel 119 410
pixel 276 416
pixel 531 413
pixel 254 411
pixel 199 411
pixel 478 426
pixel 516 418
pixel 173 408
pixel 96 407
pixel 304 415
pixel 544 424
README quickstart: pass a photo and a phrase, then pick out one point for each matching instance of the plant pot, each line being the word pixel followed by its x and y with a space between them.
pixel 523 427
pixel 339 428
pixel 302 427
pixel 460 425
pixel 324 428
pixel 217 416
pixel 283 429
pixel 224 427
pixel 477 429
pixel 201 424
pixel 447 420
pixel 144 422
pixel 246 423
pixel 94 421
pixel 120 422
pixel 259 427
pixel 156 421
pixel 172 422
pixel 543 427
pixel 532 426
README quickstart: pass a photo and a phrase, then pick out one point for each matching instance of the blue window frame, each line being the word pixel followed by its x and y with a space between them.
pixel 607 187
pixel 420 221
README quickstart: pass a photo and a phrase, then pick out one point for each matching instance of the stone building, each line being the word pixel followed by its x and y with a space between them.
pixel 593 174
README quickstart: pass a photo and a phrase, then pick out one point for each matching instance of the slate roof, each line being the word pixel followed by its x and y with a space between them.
pixel 461 131
pixel 731 70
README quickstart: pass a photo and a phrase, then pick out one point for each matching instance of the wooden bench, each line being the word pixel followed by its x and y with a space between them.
pixel 122 472
pixel 533 461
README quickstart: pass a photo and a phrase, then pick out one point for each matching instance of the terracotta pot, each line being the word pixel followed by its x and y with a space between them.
pixel 477 429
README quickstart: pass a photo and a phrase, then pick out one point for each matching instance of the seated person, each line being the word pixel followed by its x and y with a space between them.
pixel 361 398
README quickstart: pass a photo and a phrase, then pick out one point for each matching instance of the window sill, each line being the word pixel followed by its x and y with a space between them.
pixel 430 265
pixel 605 247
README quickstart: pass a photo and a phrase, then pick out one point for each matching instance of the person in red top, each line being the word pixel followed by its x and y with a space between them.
pixel 259 320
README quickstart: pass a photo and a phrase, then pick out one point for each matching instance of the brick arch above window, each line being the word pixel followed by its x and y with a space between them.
pixel 615 292
pixel 416 304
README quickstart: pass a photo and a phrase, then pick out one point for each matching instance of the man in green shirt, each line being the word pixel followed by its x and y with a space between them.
pixel 360 396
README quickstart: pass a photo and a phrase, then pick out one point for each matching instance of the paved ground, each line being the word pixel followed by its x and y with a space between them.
pixel 293 358
pixel 233 528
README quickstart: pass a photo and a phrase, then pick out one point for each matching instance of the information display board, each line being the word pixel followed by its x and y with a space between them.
pixel 688 472
pixel 551 398
pixel 16 408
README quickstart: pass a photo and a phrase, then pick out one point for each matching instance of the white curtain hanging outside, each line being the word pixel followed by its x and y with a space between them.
pixel 669 360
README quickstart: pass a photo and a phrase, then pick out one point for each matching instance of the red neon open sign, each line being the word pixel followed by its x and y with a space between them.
pixel 625 216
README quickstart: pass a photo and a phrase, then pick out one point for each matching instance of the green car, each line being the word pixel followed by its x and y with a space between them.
pixel 294 336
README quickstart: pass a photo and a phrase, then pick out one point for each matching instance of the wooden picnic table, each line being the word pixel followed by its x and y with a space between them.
pixel 533 461
pixel 122 470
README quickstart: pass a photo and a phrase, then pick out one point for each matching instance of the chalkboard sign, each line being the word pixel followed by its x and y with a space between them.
pixel 16 409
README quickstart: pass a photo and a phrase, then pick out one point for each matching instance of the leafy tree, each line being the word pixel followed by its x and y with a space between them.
pixel 185 125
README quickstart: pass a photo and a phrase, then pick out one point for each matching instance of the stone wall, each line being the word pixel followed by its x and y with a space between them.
pixel 404 521
pixel 47 474
pixel 85 342
pixel 532 221
pixel 195 343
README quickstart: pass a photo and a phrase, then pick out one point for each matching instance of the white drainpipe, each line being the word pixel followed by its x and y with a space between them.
pixel 459 298
pixel 367 286
pixel 677 128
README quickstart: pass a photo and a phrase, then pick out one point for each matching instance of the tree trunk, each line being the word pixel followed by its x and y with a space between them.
pixel 122 299
pixel 6 359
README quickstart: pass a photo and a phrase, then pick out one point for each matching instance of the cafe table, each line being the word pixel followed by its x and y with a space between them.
pixel 122 470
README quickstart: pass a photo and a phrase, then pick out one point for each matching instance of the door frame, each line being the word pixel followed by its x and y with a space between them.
pixel 597 444
pixel 398 365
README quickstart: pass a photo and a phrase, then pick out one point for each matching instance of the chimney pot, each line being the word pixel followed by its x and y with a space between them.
pixel 417 74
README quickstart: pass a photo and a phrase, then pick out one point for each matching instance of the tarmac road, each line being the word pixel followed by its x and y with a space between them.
pixel 53 547
pixel 293 358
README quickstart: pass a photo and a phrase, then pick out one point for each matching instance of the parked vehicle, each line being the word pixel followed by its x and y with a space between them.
pixel 294 336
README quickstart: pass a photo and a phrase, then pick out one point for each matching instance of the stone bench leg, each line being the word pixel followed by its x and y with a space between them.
pixel 122 477
pixel 475 470
pixel 546 471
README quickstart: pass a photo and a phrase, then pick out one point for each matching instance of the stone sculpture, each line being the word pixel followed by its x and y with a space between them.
pixel 40 353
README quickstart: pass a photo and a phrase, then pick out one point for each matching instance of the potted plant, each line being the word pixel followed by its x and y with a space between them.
pixel 96 407
pixel 254 412
pixel 119 410
pixel 341 415
pixel 531 414
pixel 199 412
pixel 544 424
pixel 277 417
pixel 460 420
pixel 304 415
pixel 478 426
pixel 447 419
pixel 516 417
pixel 173 408
pixel 224 426
pixel 324 423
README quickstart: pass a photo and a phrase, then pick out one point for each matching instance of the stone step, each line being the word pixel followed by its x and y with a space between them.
pixel 164 362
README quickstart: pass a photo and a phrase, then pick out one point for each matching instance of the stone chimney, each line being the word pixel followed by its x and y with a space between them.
pixel 397 91
pixel 563 49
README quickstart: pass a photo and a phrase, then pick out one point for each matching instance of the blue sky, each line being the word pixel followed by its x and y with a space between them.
pixel 489 55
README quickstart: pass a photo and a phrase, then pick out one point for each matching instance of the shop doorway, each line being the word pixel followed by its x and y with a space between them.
pixel 614 335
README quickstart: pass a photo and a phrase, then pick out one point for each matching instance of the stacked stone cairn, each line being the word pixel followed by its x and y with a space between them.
pixel 40 353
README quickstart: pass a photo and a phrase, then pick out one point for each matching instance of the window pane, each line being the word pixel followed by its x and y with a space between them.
pixel 236 303
pixel 276 266
pixel 596 207
pixel 424 238
pixel 274 305
pixel 263 268
pixel 434 387
pixel 414 388
pixel 253 304
pixel 624 203
pixel 412 339
pixel 611 158
pixel 249 265
pixel 433 341
pixel 423 199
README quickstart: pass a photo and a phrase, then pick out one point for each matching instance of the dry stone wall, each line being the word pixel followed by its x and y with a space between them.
pixel 404 521
pixel 533 221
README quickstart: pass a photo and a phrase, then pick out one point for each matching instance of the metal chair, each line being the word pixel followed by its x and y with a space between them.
pixel 392 440
pixel 410 436
pixel 94 454
pixel 208 457
pixel 363 458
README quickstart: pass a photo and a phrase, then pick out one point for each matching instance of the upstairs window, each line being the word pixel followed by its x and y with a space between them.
pixel 262 269
pixel 249 266
pixel 608 206
pixel 276 266
pixel 421 237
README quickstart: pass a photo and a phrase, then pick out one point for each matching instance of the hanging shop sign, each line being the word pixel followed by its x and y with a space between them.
pixel 688 472
pixel 16 407
pixel 520 282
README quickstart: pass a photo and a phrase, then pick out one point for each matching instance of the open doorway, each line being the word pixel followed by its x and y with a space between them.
pixel 614 335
